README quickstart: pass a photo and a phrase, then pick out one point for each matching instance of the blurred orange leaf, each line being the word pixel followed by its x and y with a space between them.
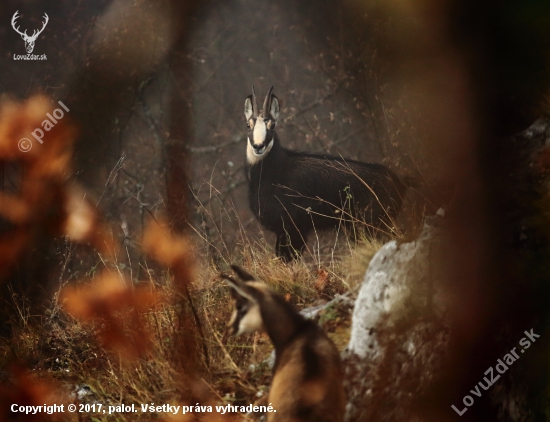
pixel 118 306
pixel 25 389
pixel 163 246
pixel 14 208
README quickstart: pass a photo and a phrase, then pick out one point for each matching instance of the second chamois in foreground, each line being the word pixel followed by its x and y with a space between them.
pixel 307 381
pixel 292 193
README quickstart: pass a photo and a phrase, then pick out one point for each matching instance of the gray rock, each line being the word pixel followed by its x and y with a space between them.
pixel 398 335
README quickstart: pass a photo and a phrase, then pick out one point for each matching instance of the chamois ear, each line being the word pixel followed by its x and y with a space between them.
pixel 248 108
pixel 241 288
pixel 274 109
pixel 243 275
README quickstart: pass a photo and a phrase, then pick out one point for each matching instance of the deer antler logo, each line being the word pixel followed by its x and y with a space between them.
pixel 29 40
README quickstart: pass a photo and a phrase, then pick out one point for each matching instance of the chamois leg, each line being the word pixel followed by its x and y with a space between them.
pixel 289 246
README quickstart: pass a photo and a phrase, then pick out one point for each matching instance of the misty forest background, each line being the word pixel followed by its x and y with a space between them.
pixel 434 89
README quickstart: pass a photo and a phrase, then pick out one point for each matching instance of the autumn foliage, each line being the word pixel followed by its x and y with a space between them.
pixel 119 312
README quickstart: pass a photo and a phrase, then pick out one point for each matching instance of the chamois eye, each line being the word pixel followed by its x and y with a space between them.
pixel 248 125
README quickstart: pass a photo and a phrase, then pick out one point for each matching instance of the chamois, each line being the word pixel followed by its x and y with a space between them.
pixel 307 376
pixel 292 193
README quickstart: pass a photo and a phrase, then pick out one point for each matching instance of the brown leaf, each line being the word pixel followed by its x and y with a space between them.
pixel 14 208
pixel 118 307
pixel 171 250
pixel 163 246
pixel 322 280
pixel 25 389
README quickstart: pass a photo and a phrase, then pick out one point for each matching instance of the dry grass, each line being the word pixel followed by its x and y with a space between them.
pixel 72 353
pixel 107 339
pixel 239 372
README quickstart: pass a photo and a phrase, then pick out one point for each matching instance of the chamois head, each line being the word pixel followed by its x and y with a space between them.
pixel 261 125
pixel 246 317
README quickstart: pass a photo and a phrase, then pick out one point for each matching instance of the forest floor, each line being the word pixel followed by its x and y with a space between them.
pixel 73 358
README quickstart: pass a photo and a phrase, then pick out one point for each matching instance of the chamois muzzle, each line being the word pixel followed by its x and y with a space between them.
pixel 259 149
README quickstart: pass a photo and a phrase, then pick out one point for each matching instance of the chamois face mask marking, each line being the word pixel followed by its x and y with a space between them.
pixel 251 321
pixel 259 132
pixel 257 135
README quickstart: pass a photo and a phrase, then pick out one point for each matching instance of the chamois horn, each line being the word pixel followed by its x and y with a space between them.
pixel 254 101
pixel 267 102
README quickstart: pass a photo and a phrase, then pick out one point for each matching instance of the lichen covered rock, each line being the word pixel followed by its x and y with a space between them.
pixel 398 335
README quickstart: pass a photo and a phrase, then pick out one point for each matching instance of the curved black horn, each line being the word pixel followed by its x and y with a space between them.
pixel 267 101
pixel 254 102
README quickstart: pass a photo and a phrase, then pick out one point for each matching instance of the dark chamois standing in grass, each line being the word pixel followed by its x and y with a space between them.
pixel 292 193
pixel 307 383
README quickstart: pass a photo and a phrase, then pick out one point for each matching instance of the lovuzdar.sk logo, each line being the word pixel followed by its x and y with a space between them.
pixel 29 39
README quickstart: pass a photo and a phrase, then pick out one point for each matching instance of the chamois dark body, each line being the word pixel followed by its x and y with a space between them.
pixel 307 381
pixel 292 193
